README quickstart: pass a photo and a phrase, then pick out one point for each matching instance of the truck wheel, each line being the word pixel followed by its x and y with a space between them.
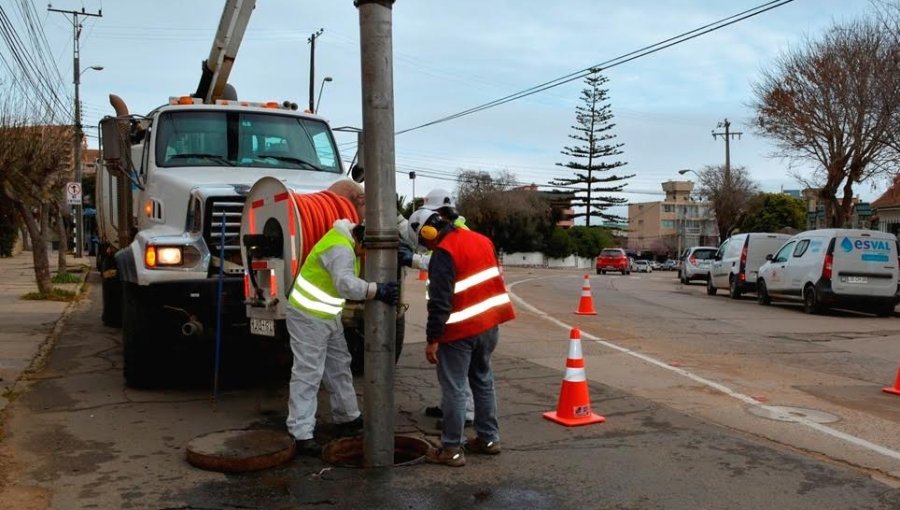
pixel 110 293
pixel 811 303
pixel 141 352
pixel 356 344
pixel 762 293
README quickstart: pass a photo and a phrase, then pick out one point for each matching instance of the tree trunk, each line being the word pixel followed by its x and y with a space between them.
pixel 39 253
pixel 845 209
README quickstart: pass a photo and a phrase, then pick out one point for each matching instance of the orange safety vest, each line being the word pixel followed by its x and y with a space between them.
pixel 479 300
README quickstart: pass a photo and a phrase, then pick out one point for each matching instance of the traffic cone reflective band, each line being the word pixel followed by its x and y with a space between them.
pixel 423 274
pixel 896 389
pixel 586 304
pixel 574 406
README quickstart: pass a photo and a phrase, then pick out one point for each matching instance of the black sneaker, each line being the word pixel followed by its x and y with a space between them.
pixel 307 447
pixel 434 412
pixel 350 428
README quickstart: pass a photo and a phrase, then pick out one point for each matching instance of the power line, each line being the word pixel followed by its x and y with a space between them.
pixel 642 52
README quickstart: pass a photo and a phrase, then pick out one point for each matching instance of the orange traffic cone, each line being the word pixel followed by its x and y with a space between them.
pixel 574 406
pixel 896 389
pixel 586 305
pixel 423 274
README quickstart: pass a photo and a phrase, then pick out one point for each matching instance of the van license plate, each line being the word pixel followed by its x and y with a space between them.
pixel 857 279
pixel 264 327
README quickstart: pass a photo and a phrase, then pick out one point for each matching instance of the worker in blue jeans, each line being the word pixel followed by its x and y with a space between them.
pixel 467 302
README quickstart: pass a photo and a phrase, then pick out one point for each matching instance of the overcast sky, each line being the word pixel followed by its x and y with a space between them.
pixel 452 55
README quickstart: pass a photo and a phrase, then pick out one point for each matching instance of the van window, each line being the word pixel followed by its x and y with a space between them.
pixel 801 247
pixel 784 252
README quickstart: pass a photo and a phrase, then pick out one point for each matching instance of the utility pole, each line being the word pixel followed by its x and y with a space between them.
pixel 382 240
pixel 79 134
pixel 412 177
pixel 312 68
pixel 727 135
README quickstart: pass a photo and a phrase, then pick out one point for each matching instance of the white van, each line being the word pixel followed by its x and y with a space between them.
pixel 834 267
pixel 737 262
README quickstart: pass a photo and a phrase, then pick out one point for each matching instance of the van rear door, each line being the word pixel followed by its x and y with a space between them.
pixel 758 247
pixel 865 264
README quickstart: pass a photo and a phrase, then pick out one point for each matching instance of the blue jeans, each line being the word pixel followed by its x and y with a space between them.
pixel 469 358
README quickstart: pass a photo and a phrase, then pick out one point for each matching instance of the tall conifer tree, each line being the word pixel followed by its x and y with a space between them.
pixel 594 179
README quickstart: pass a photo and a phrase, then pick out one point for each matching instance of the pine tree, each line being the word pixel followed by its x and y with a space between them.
pixel 593 130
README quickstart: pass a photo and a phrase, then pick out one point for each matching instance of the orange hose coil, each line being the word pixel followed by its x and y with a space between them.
pixel 318 212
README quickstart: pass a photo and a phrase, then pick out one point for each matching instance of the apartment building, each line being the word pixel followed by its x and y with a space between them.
pixel 679 221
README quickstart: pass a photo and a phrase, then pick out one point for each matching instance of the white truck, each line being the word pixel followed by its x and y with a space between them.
pixel 172 189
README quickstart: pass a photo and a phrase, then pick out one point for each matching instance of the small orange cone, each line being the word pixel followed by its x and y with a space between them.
pixel 423 274
pixel 586 305
pixel 896 389
pixel 574 406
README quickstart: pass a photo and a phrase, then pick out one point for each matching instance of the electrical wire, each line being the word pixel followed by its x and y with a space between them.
pixel 627 57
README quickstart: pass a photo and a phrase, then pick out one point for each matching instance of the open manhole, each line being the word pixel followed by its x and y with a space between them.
pixel 786 413
pixel 237 451
pixel 348 452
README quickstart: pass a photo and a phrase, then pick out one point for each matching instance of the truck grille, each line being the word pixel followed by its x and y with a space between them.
pixel 227 210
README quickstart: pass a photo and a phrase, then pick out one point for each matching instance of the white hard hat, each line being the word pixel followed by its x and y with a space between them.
pixel 438 199
pixel 418 220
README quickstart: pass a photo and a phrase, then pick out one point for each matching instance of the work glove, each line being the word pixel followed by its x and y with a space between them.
pixel 387 292
pixel 404 256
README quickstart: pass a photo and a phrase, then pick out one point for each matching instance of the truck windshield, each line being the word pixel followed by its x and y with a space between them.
pixel 244 139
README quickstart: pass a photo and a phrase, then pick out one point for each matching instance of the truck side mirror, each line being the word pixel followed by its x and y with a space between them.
pixel 111 136
pixel 358 173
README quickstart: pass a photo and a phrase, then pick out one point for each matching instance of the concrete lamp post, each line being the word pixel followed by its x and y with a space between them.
pixel 79 137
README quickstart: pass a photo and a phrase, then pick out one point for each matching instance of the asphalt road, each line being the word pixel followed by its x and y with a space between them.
pixel 681 377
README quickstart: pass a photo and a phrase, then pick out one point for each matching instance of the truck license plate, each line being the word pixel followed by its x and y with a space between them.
pixel 264 327
pixel 857 279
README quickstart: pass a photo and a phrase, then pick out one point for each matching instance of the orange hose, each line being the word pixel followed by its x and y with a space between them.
pixel 318 212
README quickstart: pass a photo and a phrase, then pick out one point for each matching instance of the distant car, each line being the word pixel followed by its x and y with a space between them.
pixel 613 259
pixel 669 265
pixel 655 265
pixel 642 266
pixel 695 263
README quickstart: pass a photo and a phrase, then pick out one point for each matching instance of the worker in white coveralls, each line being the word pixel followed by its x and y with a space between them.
pixel 328 277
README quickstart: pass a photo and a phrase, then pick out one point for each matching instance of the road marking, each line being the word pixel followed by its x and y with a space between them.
pixel 858 441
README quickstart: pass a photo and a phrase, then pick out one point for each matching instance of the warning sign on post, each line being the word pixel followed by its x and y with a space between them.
pixel 73 193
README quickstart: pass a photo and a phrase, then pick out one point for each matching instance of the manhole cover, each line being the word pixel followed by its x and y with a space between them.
pixel 785 413
pixel 234 451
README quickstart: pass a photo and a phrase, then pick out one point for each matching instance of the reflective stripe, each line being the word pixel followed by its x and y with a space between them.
pixel 478 308
pixel 317 293
pixel 475 279
pixel 575 375
pixel 314 305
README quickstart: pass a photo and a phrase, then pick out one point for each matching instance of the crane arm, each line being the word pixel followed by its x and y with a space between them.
pixel 229 35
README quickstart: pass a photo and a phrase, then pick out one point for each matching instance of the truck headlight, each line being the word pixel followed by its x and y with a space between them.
pixel 170 256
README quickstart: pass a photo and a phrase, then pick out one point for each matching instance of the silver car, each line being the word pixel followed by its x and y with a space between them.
pixel 695 263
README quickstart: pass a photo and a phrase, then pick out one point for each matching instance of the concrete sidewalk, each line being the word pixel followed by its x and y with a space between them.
pixel 28 327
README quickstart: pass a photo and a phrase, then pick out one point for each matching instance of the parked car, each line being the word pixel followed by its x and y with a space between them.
pixel 655 265
pixel 641 266
pixel 668 265
pixel 613 259
pixel 695 263
pixel 846 268
pixel 737 262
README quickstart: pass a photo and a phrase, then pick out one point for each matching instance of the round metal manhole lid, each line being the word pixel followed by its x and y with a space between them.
pixel 786 413
pixel 236 451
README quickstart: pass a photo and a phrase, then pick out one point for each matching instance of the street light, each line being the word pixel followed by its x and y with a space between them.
pixel 686 170
pixel 79 137
pixel 321 88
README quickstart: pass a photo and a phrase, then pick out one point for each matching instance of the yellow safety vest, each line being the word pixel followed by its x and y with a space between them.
pixel 313 291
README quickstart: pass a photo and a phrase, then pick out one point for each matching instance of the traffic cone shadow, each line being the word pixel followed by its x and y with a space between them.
pixel 586 304
pixel 574 405
pixel 896 389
